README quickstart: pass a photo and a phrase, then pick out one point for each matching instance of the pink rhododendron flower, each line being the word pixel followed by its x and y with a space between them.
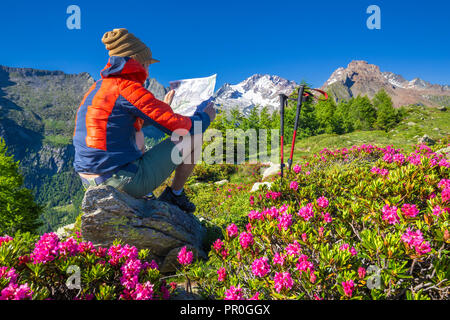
pixel 46 249
pixel 245 239
pixel 361 272
pixel 445 195
pixel 322 202
pixel 297 168
pixel 278 258
pixel 232 230
pixel 5 239
pixel 388 158
pixel 284 221
pixel 222 274
pixel 218 245
pixel 444 163
pixel 304 237
pixel 185 257
pixel 130 272
pixel 306 212
pixel 390 214
pixel 410 210
pixel 312 277
pixel 303 264
pixel 399 158
pixel 414 240
pixel 8 274
pixel 117 252
pixel 234 293
pixel 16 292
pixel 261 267
pixel 255 296
pixel 444 183
pixel 68 247
pixel 294 185
pixel 348 285
pixel 282 280
pixel 293 249
pixel 327 217
pixel 143 291
pixel 437 211
pixel 255 215
pixel 87 247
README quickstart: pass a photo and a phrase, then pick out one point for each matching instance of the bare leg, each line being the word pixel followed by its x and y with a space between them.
pixel 184 170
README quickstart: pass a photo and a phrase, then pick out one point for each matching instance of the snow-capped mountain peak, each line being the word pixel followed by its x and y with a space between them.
pixel 257 90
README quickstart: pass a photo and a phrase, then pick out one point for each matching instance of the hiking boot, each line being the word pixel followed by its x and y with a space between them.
pixel 181 201
pixel 149 196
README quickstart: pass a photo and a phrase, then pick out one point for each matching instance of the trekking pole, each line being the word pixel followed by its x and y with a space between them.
pixel 282 104
pixel 300 100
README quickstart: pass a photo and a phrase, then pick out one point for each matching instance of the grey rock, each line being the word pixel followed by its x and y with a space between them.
pixel 161 228
pixel 445 152
pixel 271 171
pixel 221 182
pixel 426 140
pixel 258 184
pixel 64 232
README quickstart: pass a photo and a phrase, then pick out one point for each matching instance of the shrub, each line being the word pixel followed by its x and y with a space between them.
pixel 41 270
pixel 363 223
pixel 18 211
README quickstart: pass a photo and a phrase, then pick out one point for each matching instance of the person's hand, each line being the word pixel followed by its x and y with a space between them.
pixel 169 97
pixel 140 140
pixel 209 109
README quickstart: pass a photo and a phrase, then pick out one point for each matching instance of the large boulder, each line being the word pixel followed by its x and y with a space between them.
pixel 147 224
pixel 426 140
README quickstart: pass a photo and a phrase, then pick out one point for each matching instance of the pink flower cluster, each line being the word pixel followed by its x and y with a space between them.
pixel 348 285
pixel 246 239
pixel 46 249
pixel 346 247
pixel 414 240
pixel 382 172
pixel 294 185
pixel 410 210
pixel 232 230
pixel 261 267
pixel 304 265
pixel 222 274
pixel 5 239
pixel 297 168
pixel 306 212
pixel 322 202
pixel 284 221
pixel 185 257
pixel 13 290
pixel 234 293
pixel 293 249
pixel 118 253
pixel 282 280
pixel 390 214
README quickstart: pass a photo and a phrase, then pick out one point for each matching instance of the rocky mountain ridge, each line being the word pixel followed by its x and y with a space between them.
pixel 362 78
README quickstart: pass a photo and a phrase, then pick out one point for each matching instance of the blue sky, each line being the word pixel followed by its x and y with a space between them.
pixel 297 40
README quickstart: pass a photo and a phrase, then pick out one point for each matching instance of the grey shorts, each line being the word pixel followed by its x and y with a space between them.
pixel 153 168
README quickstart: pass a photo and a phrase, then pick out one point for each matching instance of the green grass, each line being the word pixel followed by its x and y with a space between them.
pixel 430 121
pixel 57 140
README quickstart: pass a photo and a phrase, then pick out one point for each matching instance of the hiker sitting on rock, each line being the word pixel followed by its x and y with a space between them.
pixel 109 143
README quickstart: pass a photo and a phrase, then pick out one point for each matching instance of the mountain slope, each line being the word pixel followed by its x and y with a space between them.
pixel 257 90
pixel 362 78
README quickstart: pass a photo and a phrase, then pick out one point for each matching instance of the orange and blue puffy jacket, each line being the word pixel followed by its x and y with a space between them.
pixel 114 108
